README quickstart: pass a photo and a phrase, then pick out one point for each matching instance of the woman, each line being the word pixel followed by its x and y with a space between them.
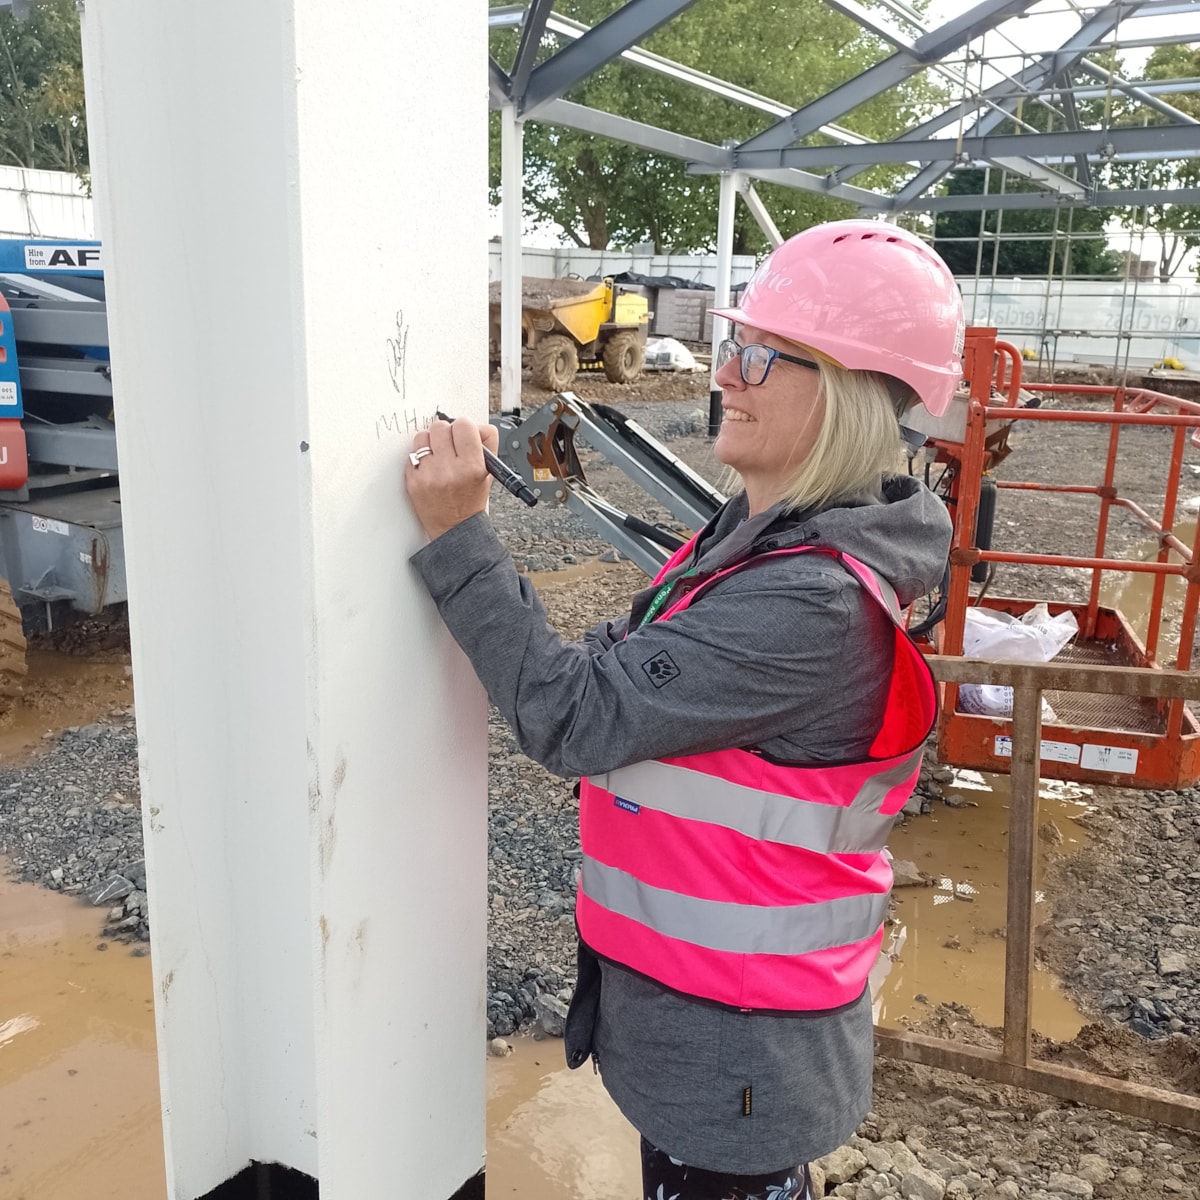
pixel 748 732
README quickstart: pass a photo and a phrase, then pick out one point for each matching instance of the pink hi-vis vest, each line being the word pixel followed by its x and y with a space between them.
pixel 733 878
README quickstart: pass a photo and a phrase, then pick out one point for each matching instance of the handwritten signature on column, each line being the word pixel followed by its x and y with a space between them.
pixel 397 349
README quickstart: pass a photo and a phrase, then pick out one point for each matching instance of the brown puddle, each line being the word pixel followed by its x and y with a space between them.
pixel 1132 594
pixel 572 573
pixel 79 1111
pixel 948 944
pixel 554 1133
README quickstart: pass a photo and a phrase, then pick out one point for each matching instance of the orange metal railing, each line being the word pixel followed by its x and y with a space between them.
pixel 1152 743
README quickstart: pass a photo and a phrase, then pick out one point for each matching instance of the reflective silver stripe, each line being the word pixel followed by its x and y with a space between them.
pixel 891 602
pixel 764 816
pixel 735 928
pixel 890 599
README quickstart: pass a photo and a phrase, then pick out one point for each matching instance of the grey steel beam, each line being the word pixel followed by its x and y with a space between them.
pixel 887 74
pixel 870 21
pixel 531 40
pixel 1136 93
pixel 709 83
pixel 1049 67
pixel 1164 8
pixel 505 16
pixel 622 129
pixel 1183 139
pixel 703 158
pixel 627 26
pixel 1032 77
pixel 1083 170
pixel 1044 176
pixel 1160 39
pixel 498 84
pixel 1121 198
pixel 807 182
pixel 1167 87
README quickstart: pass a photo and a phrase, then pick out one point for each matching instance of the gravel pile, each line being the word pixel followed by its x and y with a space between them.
pixel 931 1139
pixel 1136 960
pixel 71 820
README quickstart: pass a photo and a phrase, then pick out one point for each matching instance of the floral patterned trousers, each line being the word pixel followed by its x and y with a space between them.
pixel 666 1178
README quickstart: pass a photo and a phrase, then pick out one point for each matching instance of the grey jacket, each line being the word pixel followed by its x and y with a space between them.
pixel 790 656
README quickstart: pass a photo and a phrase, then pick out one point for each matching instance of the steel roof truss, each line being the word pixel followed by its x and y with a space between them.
pixel 1050 66
pixel 532 29
pixel 635 133
pixel 1093 142
pixel 631 22
pixel 1083 170
pixel 1131 198
pixel 889 73
pixel 1135 92
pixel 870 21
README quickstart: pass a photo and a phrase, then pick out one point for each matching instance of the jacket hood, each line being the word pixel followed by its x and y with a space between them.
pixel 903 533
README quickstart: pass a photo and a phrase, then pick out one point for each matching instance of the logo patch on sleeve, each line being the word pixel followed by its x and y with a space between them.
pixel 661 669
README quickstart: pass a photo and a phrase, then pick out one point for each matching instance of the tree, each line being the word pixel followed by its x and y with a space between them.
pixel 1170 221
pixel 42 119
pixel 600 191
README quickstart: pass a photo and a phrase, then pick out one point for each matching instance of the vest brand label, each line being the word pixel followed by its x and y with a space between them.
pixel 627 805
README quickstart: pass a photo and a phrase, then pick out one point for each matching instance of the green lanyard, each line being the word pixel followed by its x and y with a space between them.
pixel 661 597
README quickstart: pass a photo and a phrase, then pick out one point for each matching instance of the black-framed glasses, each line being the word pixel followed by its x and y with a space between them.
pixel 756 360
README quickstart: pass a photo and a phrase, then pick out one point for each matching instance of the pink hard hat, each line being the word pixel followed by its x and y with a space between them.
pixel 869 295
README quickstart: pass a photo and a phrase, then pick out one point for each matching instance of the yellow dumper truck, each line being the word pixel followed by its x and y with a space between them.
pixel 567 324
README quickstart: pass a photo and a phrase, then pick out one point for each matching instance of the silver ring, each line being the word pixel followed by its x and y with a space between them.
pixel 416 456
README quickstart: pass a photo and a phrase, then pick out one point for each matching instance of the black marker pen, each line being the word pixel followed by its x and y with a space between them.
pixel 502 472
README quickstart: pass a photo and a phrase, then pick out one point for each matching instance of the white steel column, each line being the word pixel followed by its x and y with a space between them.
pixel 720 327
pixel 512 204
pixel 294 212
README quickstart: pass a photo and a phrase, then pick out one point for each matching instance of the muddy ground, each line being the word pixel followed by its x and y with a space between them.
pixel 918 1105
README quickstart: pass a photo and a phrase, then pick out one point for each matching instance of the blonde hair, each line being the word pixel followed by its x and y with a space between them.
pixel 859 439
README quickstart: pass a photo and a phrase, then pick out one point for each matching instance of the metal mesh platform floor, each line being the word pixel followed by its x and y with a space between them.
pixel 1132 714
pixel 1087 710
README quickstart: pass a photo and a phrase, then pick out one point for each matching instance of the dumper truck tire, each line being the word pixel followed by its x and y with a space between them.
pixel 12 650
pixel 623 358
pixel 554 363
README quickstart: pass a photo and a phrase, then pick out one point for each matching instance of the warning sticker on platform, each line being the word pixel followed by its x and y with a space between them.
pixel 49 525
pixel 1051 751
pixel 1120 759
pixel 62 258
pixel 8 393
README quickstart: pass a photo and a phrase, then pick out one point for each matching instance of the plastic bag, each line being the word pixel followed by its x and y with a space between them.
pixel 666 354
pixel 1035 637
